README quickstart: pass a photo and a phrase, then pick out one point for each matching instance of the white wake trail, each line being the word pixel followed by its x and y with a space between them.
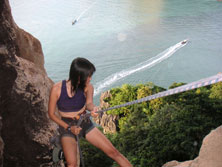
pixel 99 87
pixel 85 11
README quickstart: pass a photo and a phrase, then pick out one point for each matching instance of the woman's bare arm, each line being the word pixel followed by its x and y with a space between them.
pixel 54 96
pixel 89 100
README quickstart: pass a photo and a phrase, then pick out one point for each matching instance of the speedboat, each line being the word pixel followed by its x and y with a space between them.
pixel 74 22
pixel 184 41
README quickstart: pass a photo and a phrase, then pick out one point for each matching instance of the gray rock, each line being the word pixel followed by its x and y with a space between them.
pixel 24 93
pixel 108 122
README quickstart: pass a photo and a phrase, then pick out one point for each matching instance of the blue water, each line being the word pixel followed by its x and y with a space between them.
pixel 117 35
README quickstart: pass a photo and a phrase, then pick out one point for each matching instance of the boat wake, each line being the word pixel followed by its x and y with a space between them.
pixel 77 19
pixel 100 86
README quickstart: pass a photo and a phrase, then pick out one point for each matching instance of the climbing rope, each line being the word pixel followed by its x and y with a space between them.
pixel 197 84
pixel 203 82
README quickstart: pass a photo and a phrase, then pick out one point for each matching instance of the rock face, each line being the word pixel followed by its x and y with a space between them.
pixel 108 122
pixel 24 92
pixel 210 154
pixel 1 144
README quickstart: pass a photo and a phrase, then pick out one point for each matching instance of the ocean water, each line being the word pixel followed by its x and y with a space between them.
pixel 129 41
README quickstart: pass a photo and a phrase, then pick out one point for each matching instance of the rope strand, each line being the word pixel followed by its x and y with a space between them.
pixel 197 84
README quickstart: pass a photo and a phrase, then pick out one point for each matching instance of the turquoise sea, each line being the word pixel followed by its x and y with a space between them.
pixel 129 41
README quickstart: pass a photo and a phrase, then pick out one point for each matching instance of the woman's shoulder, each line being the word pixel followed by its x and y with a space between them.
pixel 56 89
pixel 57 86
pixel 89 87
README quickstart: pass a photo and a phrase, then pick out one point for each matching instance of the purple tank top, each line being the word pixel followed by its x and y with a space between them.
pixel 71 104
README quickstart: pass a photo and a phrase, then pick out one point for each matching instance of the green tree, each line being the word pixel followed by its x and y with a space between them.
pixel 174 129
pixel 216 91
pixel 164 129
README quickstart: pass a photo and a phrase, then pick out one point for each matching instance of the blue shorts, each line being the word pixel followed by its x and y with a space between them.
pixel 86 126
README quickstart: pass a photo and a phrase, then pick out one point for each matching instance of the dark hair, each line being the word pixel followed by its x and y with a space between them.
pixel 80 70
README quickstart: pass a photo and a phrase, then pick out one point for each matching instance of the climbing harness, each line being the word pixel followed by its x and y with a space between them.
pixel 197 84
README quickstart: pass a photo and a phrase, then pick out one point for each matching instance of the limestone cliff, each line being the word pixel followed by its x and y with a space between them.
pixel 24 92
pixel 25 128
pixel 108 122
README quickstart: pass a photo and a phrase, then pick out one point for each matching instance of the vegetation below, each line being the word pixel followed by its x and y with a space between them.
pixel 155 132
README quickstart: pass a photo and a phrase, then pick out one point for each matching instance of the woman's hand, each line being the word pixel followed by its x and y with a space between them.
pixel 93 112
pixel 75 130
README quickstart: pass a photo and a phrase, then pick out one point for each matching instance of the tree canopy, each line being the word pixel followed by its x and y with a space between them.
pixel 164 129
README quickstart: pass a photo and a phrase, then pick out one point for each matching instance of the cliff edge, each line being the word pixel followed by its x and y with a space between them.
pixel 24 92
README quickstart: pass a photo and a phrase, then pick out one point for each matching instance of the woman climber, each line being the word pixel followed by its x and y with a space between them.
pixel 73 97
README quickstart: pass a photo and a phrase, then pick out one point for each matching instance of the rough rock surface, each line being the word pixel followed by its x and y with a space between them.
pixel 108 122
pixel 210 154
pixel 1 144
pixel 24 92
